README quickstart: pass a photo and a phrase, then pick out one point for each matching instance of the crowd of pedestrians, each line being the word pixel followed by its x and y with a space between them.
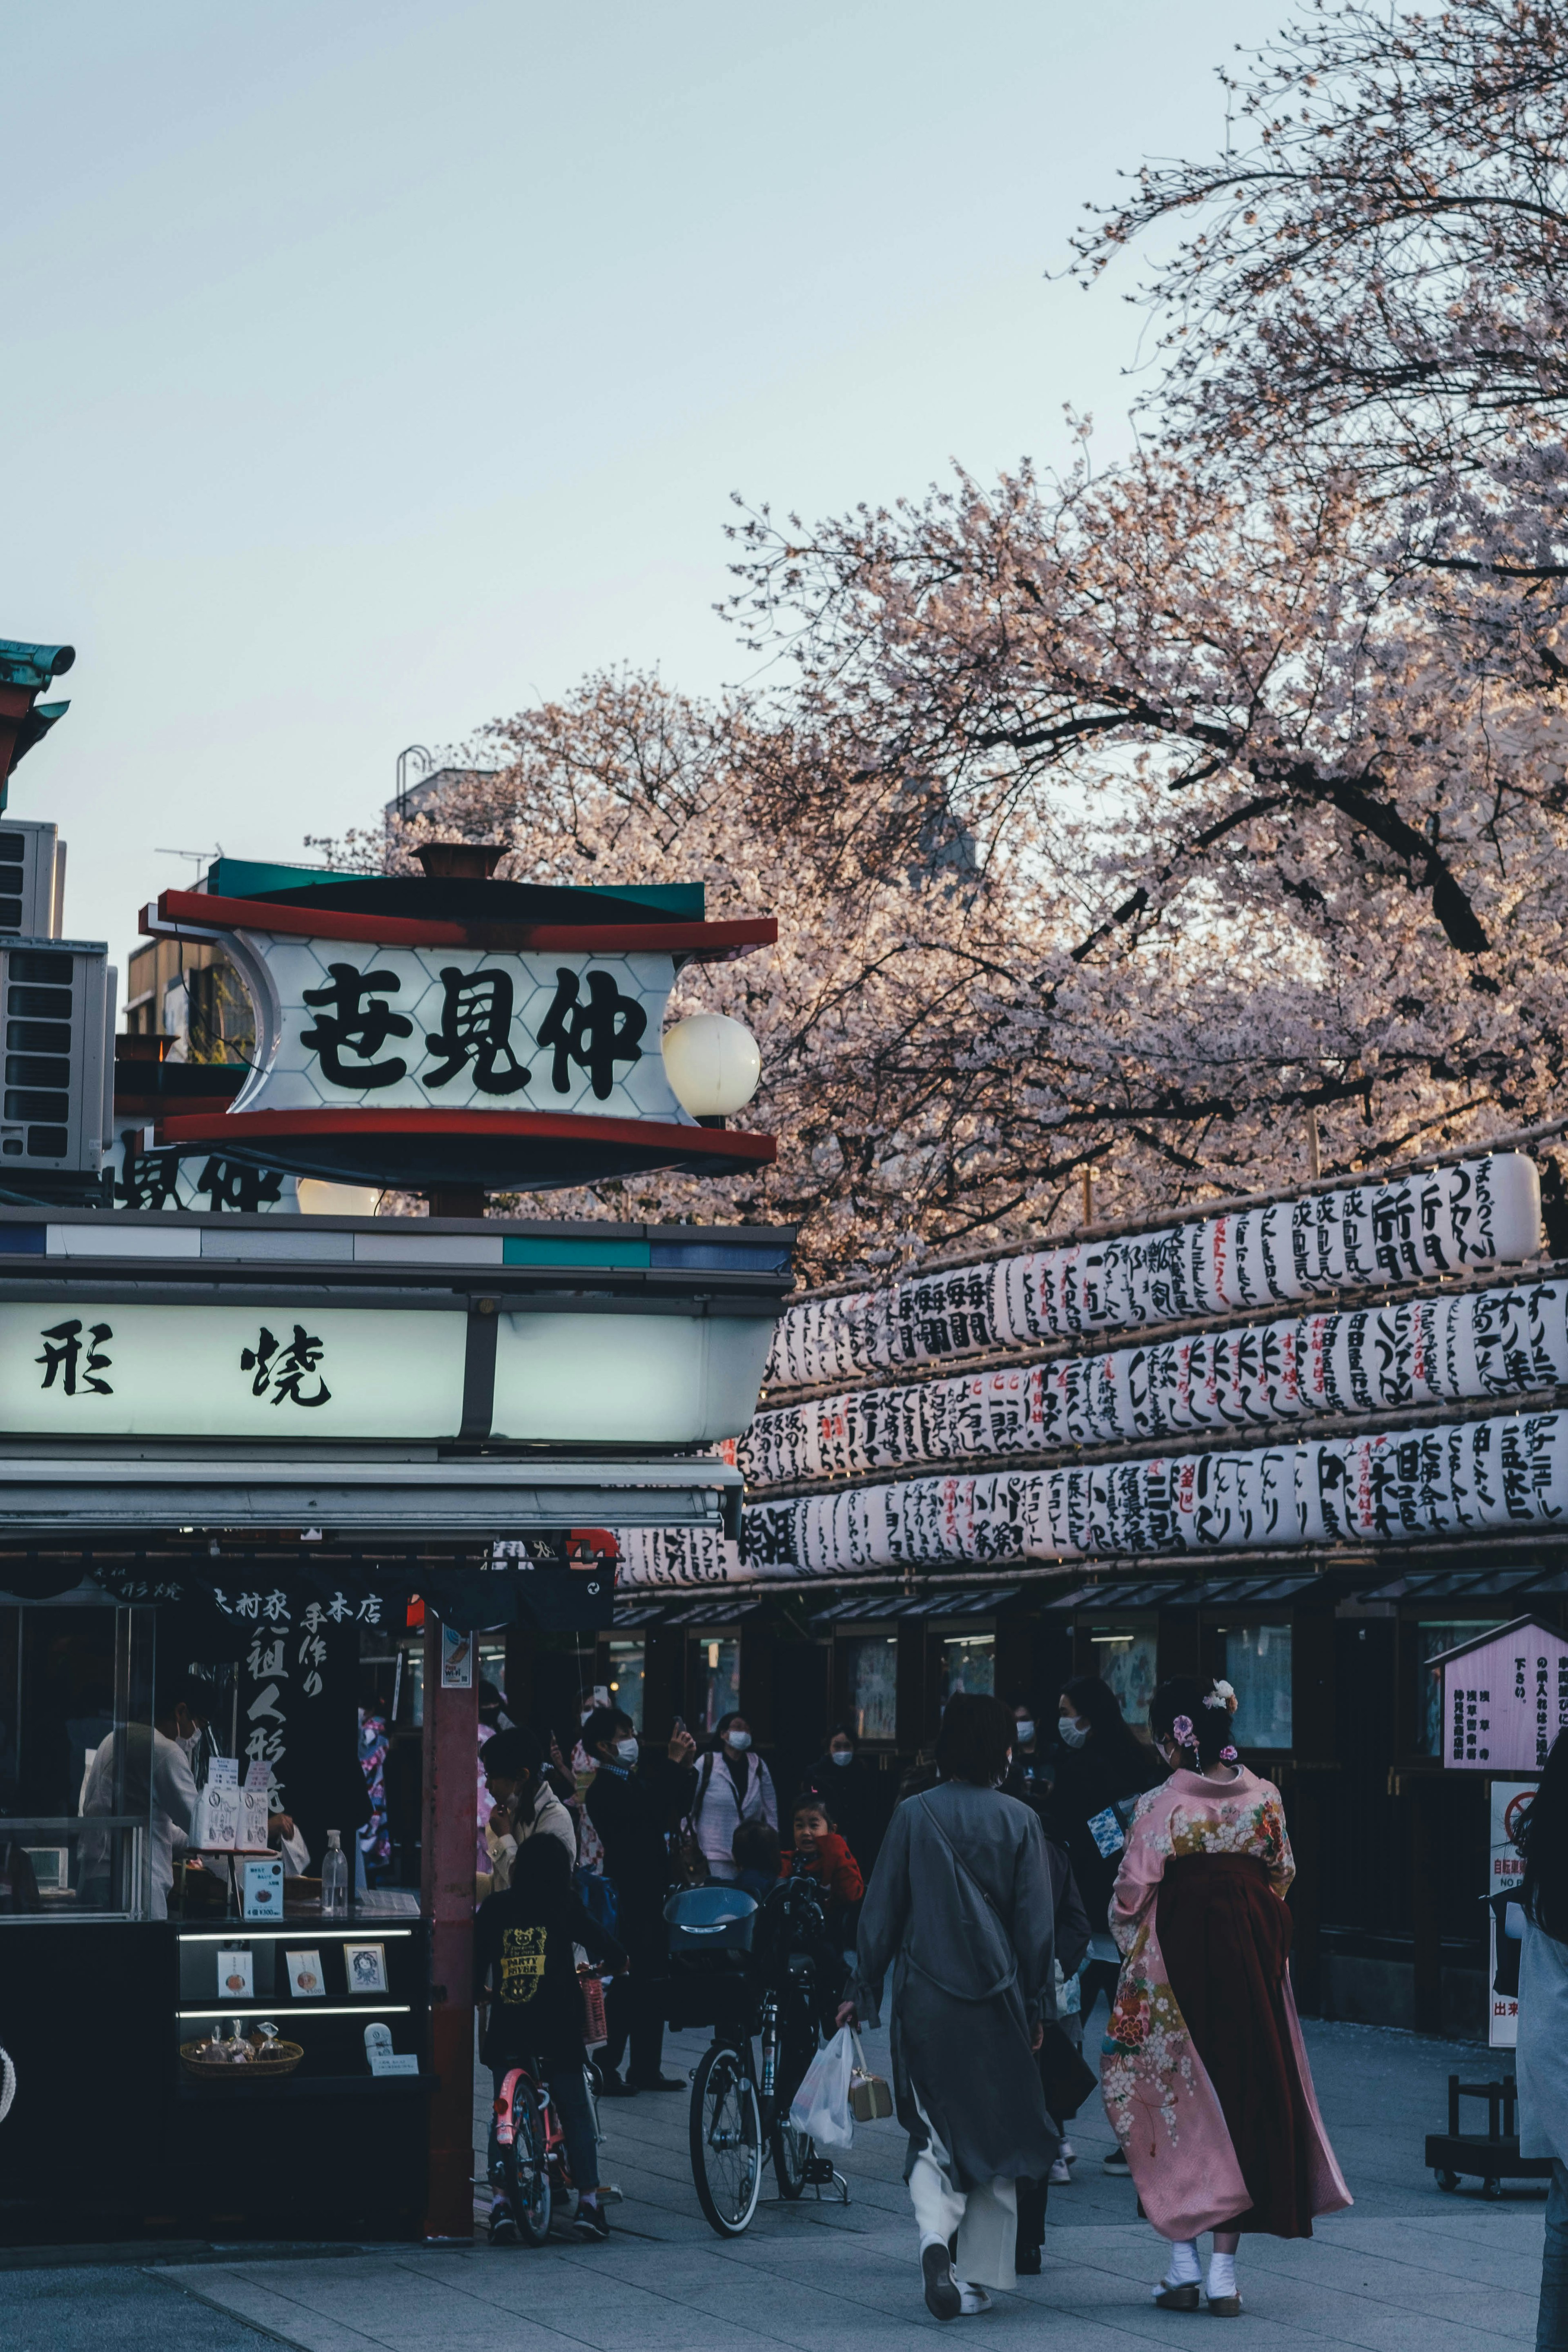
pixel 1021 1874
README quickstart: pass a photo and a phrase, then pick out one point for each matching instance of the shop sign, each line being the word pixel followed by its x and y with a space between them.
pixel 1505 1699
pixel 1505 1867
pixel 75 1369
pixel 346 1025
pixel 164 1179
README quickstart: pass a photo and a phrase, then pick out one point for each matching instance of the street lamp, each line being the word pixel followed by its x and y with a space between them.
pixel 714 1064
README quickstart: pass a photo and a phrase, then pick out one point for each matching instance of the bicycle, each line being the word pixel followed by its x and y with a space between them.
pixel 530 2168
pixel 739 2119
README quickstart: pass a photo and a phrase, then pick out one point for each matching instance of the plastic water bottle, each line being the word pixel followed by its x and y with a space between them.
pixel 335 1879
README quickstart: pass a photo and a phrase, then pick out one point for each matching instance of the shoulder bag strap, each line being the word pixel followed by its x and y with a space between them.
pixel 983 1893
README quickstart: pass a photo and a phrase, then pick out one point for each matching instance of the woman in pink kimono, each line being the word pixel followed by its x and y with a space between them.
pixel 1204 2071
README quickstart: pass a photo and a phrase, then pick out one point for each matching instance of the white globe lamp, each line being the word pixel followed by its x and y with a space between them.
pixel 714 1064
pixel 320 1199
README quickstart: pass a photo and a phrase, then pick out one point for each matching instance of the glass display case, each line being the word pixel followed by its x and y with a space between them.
pixel 78 1763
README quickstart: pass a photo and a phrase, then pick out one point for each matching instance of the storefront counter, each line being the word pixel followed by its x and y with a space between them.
pixel 110 2137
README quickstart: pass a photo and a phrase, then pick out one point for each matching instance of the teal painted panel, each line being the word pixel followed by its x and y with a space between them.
pixel 518 1250
pixel 244 877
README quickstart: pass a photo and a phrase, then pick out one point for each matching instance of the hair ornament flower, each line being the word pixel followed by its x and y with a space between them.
pixel 1228 1756
pixel 1222 1694
pixel 1182 1731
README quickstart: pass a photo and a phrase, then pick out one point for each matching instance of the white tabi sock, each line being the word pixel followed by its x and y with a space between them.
pixel 1184 2268
pixel 1222 2277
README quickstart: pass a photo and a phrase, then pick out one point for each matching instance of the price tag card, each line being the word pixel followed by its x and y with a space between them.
pixel 393 2061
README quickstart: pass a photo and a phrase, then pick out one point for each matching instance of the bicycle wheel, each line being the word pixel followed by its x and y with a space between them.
pixel 525 2166
pixel 790 2149
pixel 726 2140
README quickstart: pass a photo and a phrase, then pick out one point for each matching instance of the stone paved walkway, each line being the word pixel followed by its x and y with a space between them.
pixel 1406 2270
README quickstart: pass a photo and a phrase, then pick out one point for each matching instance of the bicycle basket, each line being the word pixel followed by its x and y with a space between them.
pixel 712 1918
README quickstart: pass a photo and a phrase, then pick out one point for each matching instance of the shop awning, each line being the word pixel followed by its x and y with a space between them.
pixel 1471 1584
pixel 1189 1592
pixel 685 1611
pixel 961 1601
pixel 86 1499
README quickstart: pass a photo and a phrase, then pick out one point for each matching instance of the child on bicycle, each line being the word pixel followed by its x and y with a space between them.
pixel 525 1974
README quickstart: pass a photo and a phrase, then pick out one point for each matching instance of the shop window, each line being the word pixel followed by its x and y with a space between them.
pixel 1434 1636
pixel 871 1681
pixel 1258 1667
pixel 626 1678
pixel 717 1682
pixel 1126 1659
pixel 968 1665
pixel 77 1826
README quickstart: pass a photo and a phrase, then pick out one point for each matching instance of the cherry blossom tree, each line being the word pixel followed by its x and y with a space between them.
pixel 1130 822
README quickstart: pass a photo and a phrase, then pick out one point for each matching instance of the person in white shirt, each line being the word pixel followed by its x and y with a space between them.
pixel 155 1783
pixel 732 1786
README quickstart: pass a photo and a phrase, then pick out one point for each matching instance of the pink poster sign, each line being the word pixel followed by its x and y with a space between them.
pixel 1505 1698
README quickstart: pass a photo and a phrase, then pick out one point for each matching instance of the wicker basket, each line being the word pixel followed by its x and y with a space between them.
pixel 224 2070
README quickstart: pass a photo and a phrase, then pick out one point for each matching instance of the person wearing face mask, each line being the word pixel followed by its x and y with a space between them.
pixel 634 1797
pixel 734 1785
pixel 1030 1775
pixel 852 1791
pixel 1102 1768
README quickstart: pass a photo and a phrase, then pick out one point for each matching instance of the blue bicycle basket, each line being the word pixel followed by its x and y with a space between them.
pixel 711 1919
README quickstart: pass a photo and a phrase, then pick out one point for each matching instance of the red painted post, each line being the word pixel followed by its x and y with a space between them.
pixel 447 1881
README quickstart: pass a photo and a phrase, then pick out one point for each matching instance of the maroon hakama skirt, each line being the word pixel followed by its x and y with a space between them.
pixel 1225 1938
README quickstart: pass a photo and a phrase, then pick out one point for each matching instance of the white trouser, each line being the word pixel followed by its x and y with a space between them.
pixel 986 2218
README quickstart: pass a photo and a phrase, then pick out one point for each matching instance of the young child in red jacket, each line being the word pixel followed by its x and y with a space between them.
pixel 821 1853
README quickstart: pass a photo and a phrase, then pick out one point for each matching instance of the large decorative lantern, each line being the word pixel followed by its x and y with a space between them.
pixel 455 1030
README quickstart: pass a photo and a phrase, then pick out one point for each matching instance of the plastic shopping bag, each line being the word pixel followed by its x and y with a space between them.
pixel 821 2105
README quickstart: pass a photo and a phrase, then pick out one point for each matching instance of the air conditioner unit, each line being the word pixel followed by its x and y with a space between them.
pixel 32 880
pixel 57 1104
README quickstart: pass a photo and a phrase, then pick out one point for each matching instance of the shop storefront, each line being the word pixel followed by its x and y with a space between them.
pixel 277 1495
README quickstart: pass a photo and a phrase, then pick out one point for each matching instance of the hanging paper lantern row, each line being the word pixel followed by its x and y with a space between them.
pixel 1389 1485
pixel 1489 1343
pixel 1435 1220
pixel 689 1555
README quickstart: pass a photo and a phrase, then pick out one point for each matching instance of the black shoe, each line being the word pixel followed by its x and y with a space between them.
pixel 1116 2166
pixel 592 2224
pixel 613 2087
pixel 943 2298
pixel 1027 2261
pixel 656 2082
pixel 504 2230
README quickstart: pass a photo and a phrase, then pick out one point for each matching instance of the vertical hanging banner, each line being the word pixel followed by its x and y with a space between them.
pixel 298 1712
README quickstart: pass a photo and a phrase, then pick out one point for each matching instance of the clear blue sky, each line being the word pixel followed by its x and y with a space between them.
pixel 374 367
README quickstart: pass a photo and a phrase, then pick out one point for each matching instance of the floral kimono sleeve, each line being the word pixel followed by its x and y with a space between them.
pixel 1138 1879
pixel 1274 1840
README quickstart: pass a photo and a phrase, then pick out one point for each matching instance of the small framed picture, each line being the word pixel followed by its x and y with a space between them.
pixel 306 1981
pixel 235 1976
pixel 364 1965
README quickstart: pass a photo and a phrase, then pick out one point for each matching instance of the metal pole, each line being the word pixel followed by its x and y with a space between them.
pixel 411 751
pixel 451 1747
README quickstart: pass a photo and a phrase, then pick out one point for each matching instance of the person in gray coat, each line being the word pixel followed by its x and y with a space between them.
pixel 959 1908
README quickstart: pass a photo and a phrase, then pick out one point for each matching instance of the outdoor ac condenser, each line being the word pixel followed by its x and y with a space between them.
pixel 32 880
pixel 57 1107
